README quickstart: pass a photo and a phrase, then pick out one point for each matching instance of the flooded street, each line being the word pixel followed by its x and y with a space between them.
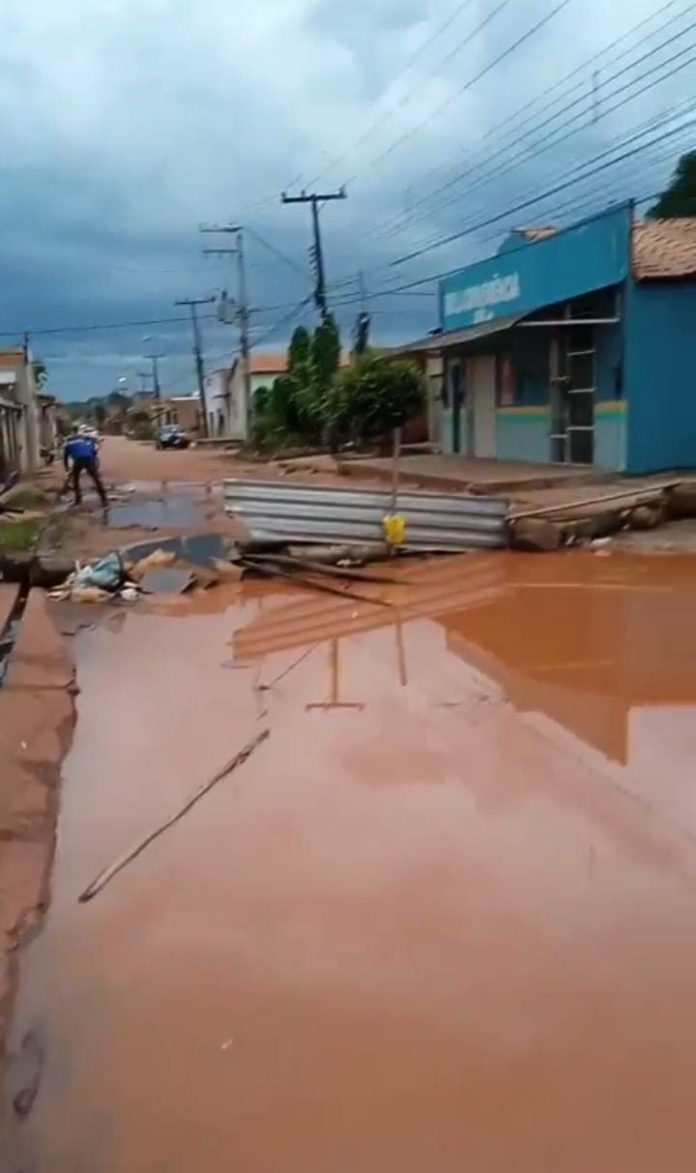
pixel 443 918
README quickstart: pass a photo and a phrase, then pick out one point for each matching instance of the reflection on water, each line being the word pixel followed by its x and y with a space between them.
pixel 454 888
pixel 585 641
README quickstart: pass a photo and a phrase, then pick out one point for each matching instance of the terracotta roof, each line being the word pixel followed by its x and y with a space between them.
pixel 11 359
pixel 661 248
pixel 664 248
pixel 268 364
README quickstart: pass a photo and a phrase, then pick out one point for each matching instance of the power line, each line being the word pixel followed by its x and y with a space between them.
pixel 508 125
pixel 525 155
pixel 642 130
pixel 521 40
pixel 97 326
pixel 389 113
pixel 277 253
pixel 285 320
pixel 535 199
pixel 576 173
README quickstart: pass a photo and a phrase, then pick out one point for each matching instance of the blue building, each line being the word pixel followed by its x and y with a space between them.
pixel 574 347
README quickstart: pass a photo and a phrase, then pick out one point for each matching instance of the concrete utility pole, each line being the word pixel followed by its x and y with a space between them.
pixel 243 315
pixel 193 303
pixel 315 199
pixel 154 359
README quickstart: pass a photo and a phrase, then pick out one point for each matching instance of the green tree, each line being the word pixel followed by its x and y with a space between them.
pixel 40 373
pixel 679 198
pixel 117 399
pixel 299 351
pixel 326 353
pixel 372 397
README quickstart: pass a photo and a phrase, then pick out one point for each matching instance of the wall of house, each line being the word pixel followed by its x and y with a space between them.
pixel 610 405
pixel 217 403
pixel 182 410
pixel 522 429
pixel 660 375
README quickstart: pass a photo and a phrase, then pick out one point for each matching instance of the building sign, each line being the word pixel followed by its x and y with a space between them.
pixel 525 277
pixel 481 300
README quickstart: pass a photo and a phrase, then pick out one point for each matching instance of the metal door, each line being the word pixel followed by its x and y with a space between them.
pixel 481 381
pixel 573 390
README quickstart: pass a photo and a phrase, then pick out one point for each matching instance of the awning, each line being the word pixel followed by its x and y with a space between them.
pixel 459 337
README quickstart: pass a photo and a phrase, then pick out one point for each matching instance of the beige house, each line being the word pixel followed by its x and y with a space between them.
pixel 19 414
pixel 184 410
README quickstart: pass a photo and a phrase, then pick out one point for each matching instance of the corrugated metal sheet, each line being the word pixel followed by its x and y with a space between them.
pixel 320 513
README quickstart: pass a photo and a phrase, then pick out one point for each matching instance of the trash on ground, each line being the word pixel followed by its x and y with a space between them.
pixel 158 557
pixel 107 573
pixel 167 580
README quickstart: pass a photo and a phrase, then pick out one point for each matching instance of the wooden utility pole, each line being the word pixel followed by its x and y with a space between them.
pixel 243 316
pixel 193 303
pixel 362 322
pixel 316 199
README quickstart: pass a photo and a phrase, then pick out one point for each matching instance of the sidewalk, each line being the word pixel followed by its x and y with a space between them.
pixel 475 474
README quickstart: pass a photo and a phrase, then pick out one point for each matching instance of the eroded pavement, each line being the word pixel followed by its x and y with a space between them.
pixel 444 917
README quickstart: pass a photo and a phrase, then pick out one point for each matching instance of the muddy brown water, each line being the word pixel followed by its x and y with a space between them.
pixel 444 918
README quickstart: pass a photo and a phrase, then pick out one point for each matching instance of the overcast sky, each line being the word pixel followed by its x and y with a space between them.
pixel 127 123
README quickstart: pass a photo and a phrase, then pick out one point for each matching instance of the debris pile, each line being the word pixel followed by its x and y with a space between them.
pixel 595 518
pixel 176 565
pixel 170 567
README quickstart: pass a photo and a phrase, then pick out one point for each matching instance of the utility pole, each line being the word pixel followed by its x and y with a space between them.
pixel 243 315
pixel 315 199
pixel 143 376
pixel 363 320
pixel 154 359
pixel 193 303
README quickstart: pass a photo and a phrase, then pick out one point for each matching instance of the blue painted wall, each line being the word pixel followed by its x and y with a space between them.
pixel 610 436
pixel 590 255
pixel 523 434
pixel 660 376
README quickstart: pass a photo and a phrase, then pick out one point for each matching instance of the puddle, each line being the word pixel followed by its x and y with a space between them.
pixel 173 504
pixel 454 888
pixel 172 511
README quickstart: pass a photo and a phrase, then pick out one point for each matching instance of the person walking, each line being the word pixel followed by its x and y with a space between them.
pixel 80 454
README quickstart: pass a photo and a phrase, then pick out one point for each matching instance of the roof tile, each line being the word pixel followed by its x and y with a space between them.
pixel 661 248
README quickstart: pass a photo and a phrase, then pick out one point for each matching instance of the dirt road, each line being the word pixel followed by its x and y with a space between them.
pixel 443 919
pixel 128 460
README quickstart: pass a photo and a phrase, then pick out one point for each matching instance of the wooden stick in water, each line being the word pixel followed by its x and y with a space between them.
pixel 108 874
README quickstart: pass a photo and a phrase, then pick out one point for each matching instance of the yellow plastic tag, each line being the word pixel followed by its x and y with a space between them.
pixel 394 529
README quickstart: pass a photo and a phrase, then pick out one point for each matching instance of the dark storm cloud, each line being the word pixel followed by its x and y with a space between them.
pixel 127 124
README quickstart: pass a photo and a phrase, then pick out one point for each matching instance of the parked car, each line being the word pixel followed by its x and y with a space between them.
pixel 172 436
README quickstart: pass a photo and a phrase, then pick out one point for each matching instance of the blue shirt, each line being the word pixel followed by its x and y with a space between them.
pixel 80 448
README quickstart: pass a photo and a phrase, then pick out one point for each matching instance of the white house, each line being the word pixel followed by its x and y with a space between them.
pixel 225 393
